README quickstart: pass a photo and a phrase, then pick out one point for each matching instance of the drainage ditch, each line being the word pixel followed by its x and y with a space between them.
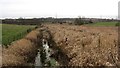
pixel 48 53
pixel 45 51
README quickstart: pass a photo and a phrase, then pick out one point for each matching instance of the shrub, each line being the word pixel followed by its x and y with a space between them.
pixel 79 21
pixel 117 24
pixel 90 21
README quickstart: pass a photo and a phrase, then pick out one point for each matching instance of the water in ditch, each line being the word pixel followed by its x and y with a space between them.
pixel 43 56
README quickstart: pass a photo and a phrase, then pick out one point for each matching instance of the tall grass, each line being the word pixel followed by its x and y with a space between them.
pixel 22 52
pixel 86 45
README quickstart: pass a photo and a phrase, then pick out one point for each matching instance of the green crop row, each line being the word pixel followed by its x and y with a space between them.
pixel 11 33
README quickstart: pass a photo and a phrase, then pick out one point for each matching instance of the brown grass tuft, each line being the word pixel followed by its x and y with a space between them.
pixel 21 52
pixel 33 36
pixel 86 46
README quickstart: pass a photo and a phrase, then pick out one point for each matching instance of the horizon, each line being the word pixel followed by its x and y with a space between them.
pixel 59 8
pixel 97 17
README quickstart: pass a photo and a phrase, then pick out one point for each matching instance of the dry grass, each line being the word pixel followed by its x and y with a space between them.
pixel 21 52
pixel 83 45
pixel 33 36
pixel 87 46
pixel 12 60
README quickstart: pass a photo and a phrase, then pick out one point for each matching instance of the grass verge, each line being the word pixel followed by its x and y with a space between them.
pixel 11 32
pixel 104 24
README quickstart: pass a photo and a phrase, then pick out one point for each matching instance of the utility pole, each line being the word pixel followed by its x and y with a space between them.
pixel 56 15
pixel 101 16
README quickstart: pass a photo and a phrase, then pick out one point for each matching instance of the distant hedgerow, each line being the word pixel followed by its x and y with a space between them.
pixel 79 21
pixel 117 24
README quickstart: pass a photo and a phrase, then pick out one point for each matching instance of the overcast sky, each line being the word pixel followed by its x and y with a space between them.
pixel 59 8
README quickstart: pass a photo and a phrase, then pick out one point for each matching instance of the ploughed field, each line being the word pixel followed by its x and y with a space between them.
pixel 86 45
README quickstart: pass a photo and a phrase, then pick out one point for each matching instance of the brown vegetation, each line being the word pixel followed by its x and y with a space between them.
pixel 76 45
pixel 85 45
pixel 23 51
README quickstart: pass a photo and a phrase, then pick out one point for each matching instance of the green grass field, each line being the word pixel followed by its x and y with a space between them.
pixel 11 33
pixel 104 24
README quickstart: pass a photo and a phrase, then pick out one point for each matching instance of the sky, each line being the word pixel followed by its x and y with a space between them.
pixel 58 8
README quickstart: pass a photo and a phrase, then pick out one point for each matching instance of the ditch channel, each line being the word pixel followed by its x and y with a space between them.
pixel 49 54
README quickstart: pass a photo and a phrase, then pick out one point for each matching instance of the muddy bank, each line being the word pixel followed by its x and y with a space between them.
pixel 23 51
